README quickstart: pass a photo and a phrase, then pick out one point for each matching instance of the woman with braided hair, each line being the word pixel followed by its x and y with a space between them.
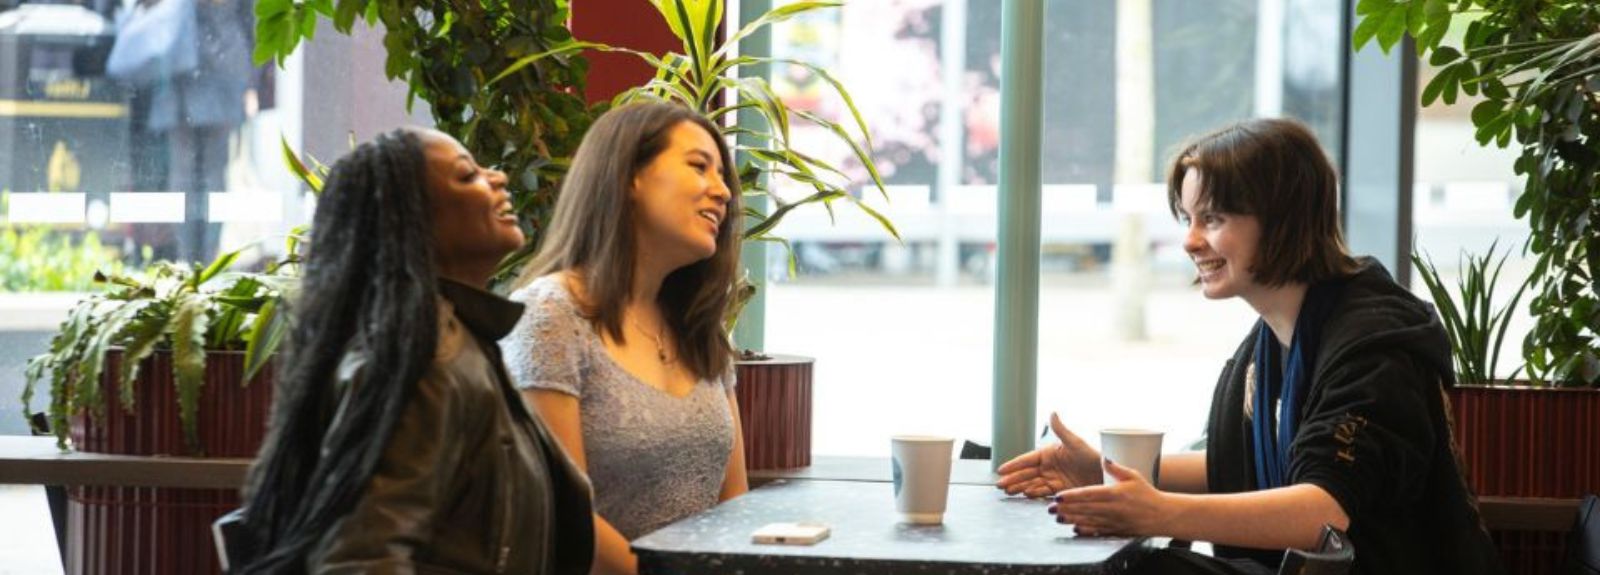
pixel 397 443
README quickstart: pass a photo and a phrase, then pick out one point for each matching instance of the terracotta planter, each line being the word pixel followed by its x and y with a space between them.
pixel 146 530
pixel 1519 441
pixel 775 408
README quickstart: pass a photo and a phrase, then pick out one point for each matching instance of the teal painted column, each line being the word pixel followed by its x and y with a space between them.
pixel 751 331
pixel 1016 292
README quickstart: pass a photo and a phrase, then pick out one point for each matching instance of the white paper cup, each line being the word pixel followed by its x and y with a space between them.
pixel 921 477
pixel 1136 449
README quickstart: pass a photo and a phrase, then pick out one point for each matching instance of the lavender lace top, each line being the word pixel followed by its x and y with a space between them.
pixel 653 458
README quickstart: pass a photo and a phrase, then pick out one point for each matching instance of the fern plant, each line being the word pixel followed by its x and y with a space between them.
pixel 187 310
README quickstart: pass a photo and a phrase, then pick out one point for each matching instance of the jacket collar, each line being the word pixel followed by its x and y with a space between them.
pixel 487 315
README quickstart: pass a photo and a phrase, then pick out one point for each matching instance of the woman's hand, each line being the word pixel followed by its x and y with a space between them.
pixel 1052 468
pixel 1130 507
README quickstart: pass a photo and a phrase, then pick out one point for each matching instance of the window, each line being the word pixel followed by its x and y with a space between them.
pixel 105 169
pixel 1124 338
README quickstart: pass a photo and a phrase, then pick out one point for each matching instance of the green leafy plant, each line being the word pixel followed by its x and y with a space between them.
pixel 187 310
pixel 39 258
pixel 698 76
pixel 1536 67
pixel 503 76
pixel 526 124
pixel 1477 328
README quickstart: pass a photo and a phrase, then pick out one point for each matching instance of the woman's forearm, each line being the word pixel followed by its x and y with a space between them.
pixel 1183 472
pixel 1287 517
pixel 612 555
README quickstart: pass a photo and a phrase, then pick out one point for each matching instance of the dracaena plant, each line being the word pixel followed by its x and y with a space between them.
pixel 1536 68
pixel 1475 323
pixel 702 73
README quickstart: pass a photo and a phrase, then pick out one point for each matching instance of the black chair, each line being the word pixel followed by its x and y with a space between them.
pixel 970 450
pixel 1335 555
pixel 233 544
pixel 1583 545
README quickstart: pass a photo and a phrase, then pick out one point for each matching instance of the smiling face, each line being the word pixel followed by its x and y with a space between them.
pixel 681 199
pixel 1222 245
pixel 473 223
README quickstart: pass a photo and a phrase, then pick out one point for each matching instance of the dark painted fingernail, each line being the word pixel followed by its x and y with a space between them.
pixel 1059 498
pixel 1051 510
pixel 1061 520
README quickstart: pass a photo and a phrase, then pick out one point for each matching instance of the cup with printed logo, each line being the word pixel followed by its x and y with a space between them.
pixel 921 477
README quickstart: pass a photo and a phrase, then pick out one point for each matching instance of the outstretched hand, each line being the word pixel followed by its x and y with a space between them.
pixel 1130 507
pixel 1053 468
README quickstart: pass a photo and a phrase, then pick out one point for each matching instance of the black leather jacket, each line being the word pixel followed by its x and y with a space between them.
pixel 471 481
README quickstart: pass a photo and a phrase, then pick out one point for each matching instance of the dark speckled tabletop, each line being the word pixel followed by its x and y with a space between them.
pixel 984 532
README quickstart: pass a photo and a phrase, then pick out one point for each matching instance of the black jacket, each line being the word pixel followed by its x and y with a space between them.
pixel 1373 433
pixel 471 481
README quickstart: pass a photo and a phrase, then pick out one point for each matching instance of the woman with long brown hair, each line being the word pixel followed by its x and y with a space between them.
pixel 622 350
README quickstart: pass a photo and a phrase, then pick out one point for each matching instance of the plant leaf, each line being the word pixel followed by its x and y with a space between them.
pixel 189 361
pixel 291 159
pixel 265 335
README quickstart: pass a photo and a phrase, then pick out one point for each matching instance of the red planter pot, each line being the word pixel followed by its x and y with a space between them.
pixel 1519 441
pixel 775 407
pixel 147 530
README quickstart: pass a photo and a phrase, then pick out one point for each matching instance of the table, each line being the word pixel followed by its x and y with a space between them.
pixel 984 532
pixel 849 468
pixel 36 460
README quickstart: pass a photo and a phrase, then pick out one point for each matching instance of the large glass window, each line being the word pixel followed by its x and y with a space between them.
pixel 114 153
pixel 903 334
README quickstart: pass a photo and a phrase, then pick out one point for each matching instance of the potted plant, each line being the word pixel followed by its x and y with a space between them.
pixel 1516 439
pixel 1534 66
pixel 172 361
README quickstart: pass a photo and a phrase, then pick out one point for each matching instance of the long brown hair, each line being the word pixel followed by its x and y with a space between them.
pixel 1274 170
pixel 592 234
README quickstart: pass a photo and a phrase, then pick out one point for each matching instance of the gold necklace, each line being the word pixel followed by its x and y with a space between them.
pixel 661 349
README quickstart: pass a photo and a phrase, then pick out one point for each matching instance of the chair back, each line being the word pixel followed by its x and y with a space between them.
pixel 233 542
pixel 1583 545
pixel 1335 555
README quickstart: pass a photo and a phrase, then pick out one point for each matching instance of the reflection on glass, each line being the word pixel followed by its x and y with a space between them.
pixel 126 117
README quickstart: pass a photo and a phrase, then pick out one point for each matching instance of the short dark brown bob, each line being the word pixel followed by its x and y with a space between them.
pixel 1274 170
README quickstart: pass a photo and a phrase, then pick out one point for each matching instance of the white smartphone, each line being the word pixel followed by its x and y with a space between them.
pixel 790 533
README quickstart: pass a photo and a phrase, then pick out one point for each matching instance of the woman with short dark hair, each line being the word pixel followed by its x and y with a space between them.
pixel 622 349
pixel 397 444
pixel 1331 412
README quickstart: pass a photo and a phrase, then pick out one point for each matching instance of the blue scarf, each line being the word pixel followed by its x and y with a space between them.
pixel 1271 436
